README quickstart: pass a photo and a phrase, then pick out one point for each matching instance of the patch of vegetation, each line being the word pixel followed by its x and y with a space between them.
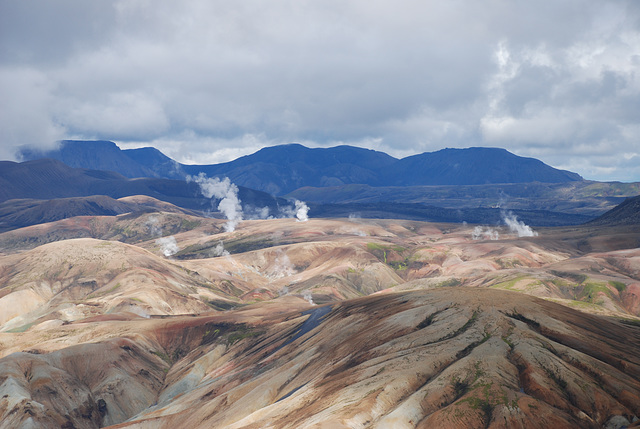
pixel 111 289
pixel 449 283
pixel 632 322
pixel 508 263
pixel 461 329
pixel 380 371
pixel 248 244
pixel 618 285
pixel 20 329
pixel 241 334
pixel 467 350
pixel 509 343
pixel 188 225
pixel 578 278
pixel 584 305
pixel 398 265
pixel 591 290
pixel 561 382
pixel 221 305
pixel 530 322
pixel 509 285
pixel 460 387
pixel 381 251
pixel 485 402
pixel 377 246
pixel 228 287
pixel 163 356
pixel 427 321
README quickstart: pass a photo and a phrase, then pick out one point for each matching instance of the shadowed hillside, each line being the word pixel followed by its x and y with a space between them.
pixel 627 213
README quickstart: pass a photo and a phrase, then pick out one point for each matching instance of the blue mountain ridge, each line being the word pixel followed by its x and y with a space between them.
pixel 282 169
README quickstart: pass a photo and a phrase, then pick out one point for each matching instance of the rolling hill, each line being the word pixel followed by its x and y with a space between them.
pixel 326 323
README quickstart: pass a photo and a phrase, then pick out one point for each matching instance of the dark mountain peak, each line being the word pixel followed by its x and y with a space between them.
pixel 94 155
pixel 156 161
pixel 475 166
pixel 284 168
pixel 294 153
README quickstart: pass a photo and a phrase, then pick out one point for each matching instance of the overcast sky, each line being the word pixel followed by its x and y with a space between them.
pixel 207 81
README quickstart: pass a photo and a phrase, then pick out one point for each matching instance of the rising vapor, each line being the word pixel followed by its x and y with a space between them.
pixel 517 226
pixel 487 233
pixel 301 211
pixel 226 192
pixel 169 245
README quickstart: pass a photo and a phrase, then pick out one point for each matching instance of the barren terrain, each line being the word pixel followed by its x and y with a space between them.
pixel 162 319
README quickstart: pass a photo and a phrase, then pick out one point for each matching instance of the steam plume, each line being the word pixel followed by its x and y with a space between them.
pixel 252 212
pixel 282 266
pixel 226 192
pixel 307 295
pixel 154 228
pixel 284 291
pixel 169 245
pixel 219 250
pixel 487 233
pixel 301 211
pixel 517 226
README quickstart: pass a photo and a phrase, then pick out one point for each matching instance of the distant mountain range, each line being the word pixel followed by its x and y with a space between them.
pixel 475 185
pixel 49 179
pixel 282 169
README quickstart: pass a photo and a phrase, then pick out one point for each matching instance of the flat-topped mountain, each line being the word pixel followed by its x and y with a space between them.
pixel 282 169
pixel 474 166
pixel 93 155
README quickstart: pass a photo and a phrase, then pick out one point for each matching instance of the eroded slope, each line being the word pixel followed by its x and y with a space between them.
pixel 450 357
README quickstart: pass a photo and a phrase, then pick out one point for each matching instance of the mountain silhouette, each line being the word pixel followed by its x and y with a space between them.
pixel 282 169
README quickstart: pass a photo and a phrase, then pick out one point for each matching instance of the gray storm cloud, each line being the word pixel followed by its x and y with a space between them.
pixel 209 81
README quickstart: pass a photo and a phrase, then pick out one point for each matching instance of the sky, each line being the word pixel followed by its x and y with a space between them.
pixel 207 81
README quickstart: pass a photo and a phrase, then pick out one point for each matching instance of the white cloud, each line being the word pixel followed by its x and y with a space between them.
pixel 207 81
pixel 26 111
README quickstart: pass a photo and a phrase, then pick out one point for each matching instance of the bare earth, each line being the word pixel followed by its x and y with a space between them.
pixel 326 323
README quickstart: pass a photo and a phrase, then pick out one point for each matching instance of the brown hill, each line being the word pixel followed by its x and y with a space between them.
pixel 441 358
pixel 222 333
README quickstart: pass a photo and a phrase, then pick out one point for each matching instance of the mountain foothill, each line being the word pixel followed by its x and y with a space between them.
pixel 464 288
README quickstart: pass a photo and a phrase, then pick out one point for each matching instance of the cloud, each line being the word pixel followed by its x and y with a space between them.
pixel 24 111
pixel 208 81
